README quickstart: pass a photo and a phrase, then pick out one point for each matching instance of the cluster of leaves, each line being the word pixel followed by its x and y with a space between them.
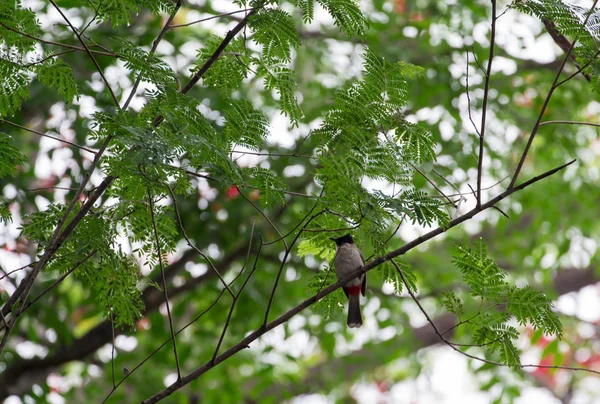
pixel 147 148
pixel 365 137
pixel 569 20
pixel 491 326
pixel 95 259
pixel 120 12
pixel 17 29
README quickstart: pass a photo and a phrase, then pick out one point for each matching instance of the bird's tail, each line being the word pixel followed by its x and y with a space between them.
pixel 354 316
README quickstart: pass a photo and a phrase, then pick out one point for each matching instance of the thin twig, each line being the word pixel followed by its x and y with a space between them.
pixel 545 105
pixel 580 70
pixel 48 136
pixel 50 56
pixel 272 154
pixel 209 18
pixel 112 352
pixel 479 312
pixel 597 125
pixel 467 92
pixel 195 319
pixel 16 270
pixel 164 283
pixel 87 49
pixel 486 90
pixel 64 45
pixel 284 260
pixel 265 216
pixel 62 278
pixel 151 53
pixel 432 184
pixel 245 342
pixel 454 345
pixel 161 346
pixel 222 337
pixel 213 58
pixel 193 246
pixel 563 43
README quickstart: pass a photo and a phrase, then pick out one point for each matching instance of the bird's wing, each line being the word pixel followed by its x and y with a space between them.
pixel 363 287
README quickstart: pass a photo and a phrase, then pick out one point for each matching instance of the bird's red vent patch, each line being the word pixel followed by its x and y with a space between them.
pixel 353 290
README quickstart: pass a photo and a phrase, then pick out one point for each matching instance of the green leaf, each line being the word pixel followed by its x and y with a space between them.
pixel 148 67
pixel 59 75
pixel 271 186
pixel 331 304
pixel 481 273
pixel 528 304
pixel 347 16
pixel 452 303
pixel 308 9
pixel 275 30
pixel 10 157
pixel 229 71
pixel 5 215
pixel 13 87
pixel 245 125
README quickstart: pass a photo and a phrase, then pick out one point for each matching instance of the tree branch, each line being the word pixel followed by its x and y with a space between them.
pixel 245 342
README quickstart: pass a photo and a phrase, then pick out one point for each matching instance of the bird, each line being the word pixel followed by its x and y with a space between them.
pixel 348 258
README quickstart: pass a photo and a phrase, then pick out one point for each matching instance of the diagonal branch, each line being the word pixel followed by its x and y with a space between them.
pixel 554 86
pixel 48 136
pixel 164 284
pixel 87 49
pixel 564 44
pixel 455 346
pixel 154 46
pixel 486 90
pixel 245 342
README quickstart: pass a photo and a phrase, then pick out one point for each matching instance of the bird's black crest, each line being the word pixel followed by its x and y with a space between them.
pixel 347 239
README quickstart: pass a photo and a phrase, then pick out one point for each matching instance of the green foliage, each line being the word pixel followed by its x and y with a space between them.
pixel 114 278
pixel 228 72
pixel 119 12
pixel 569 19
pixel 109 273
pixel 147 67
pixel 5 215
pixel 332 304
pixel 275 30
pixel 389 273
pixel 270 186
pixel 321 250
pixel 452 303
pixel 416 142
pixel 245 126
pixel 40 225
pixel 481 273
pixel 308 9
pixel 347 16
pixel 488 283
pixel 15 18
pixel 358 176
pixel 528 304
pixel 419 207
pixel 491 331
pixel 58 75
pixel 282 80
pixel 13 87
pixel 10 156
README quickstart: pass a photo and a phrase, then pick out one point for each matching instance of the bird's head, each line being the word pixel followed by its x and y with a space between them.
pixel 347 239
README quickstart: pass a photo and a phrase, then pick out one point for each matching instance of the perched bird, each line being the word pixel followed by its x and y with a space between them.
pixel 348 258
